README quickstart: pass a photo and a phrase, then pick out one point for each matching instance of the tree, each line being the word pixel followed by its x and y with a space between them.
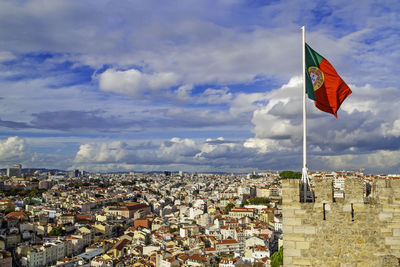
pixel 147 240
pixel 256 201
pixel 290 175
pixel 35 192
pixel 277 258
pixel 229 207
pixel 57 231
pixel 172 229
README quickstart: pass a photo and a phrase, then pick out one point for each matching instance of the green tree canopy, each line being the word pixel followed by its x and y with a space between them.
pixel 256 201
pixel 290 175
pixel 57 231
pixel 277 258
pixel 229 207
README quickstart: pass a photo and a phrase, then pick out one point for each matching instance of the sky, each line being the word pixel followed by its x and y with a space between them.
pixel 207 86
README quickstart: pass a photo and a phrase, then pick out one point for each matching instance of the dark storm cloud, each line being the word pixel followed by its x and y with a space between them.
pixel 14 125
pixel 72 119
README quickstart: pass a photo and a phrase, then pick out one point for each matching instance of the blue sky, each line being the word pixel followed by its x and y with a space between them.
pixel 195 85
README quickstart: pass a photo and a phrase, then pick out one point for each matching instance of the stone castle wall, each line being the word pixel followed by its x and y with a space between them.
pixel 354 231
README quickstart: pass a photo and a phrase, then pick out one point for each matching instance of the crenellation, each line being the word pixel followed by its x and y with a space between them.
pixel 354 190
pixel 323 190
pixel 357 230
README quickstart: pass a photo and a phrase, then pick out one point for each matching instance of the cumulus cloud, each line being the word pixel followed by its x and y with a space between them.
pixel 173 151
pixel 176 151
pixel 102 153
pixel 22 150
pixel 135 83
pixel 246 103
pixel 13 149
pixel 177 148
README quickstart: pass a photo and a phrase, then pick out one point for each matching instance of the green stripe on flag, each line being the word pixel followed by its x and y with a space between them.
pixel 312 59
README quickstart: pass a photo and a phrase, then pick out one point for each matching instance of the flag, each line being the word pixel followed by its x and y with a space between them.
pixel 323 84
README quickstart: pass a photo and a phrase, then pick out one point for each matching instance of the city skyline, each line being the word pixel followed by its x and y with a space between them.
pixel 194 86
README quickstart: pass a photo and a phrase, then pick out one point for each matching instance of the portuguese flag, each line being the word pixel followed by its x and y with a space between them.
pixel 323 84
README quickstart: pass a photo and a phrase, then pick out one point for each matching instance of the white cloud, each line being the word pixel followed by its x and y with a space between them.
pixel 382 161
pixel 12 150
pixel 246 102
pixel 183 92
pixel 395 129
pixel 215 96
pixel 266 145
pixel 176 149
pixel 279 118
pixel 111 152
pixel 135 83
pixel 5 56
pixel 210 155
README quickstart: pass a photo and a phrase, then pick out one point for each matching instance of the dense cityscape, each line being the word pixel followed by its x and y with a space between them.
pixel 147 219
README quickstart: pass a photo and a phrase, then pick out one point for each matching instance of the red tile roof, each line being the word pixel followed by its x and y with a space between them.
pixel 17 215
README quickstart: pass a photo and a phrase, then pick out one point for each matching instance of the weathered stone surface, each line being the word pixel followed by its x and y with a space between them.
pixel 355 232
pixel 385 216
pixel 292 221
pixel 292 252
pixel 302 245
pixel 396 231
pixel 294 237
pixel 301 262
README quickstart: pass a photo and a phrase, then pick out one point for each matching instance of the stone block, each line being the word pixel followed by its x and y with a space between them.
pixel 302 245
pixel 291 252
pixel 287 260
pixel 301 261
pixel 396 208
pixel 289 244
pixel 383 216
pixel 299 212
pixel 294 206
pixel 287 229
pixel 293 237
pixel 287 213
pixel 318 205
pixel 387 230
pixel 396 231
pixel 392 224
pixel 305 229
pixel 395 247
pixel 291 221
pixel 388 208
pixel 347 207
pixel 392 240
pixel 359 207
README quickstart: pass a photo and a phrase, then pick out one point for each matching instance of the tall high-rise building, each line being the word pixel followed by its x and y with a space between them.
pixel 14 171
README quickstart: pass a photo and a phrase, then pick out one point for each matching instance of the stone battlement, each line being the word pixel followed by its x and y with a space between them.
pixel 355 230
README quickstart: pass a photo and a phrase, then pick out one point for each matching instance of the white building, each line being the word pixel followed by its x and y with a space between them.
pixel 228 246
pixel 48 253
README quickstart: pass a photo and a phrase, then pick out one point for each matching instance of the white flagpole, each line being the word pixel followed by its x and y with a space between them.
pixel 304 177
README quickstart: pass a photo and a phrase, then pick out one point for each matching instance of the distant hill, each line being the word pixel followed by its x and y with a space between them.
pixel 25 170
